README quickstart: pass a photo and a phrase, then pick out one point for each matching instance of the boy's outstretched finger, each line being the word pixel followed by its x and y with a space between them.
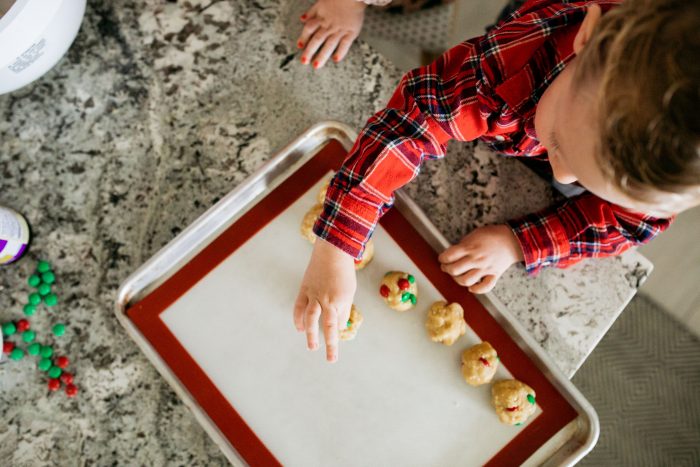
pixel 330 332
pixel 311 315
pixel 342 50
pixel 299 307
pixel 486 284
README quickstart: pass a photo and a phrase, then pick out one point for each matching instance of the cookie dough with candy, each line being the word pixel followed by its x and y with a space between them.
pixel 479 364
pixel 445 322
pixel 399 290
pixel 513 400
pixel 353 325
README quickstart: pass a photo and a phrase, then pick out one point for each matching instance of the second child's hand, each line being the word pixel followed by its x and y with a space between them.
pixel 330 28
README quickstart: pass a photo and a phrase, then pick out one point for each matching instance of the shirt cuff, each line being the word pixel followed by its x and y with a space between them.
pixel 542 239
pixel 346 221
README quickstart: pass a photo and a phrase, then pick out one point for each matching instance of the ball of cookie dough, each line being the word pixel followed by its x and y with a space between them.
pixel 353 325
pixel 479 364
pixel 445 322
pixel 367 256
pixel 307 223
pixel 514 401
pixel 321 196
pixel 399 290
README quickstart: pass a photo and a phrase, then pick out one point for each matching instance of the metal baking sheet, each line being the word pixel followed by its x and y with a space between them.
pixel 264 399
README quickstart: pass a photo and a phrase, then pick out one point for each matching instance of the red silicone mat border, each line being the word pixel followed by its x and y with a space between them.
pixel 145 314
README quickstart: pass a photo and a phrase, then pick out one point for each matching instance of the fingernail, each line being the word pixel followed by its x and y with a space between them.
pixel 304 60
pixel 332 358
pixel 313 346
pixel 302 17
pixel 300 44
pixel 315 64
pixel 335 59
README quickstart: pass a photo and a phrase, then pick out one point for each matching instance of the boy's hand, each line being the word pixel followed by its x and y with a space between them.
pixel 330 25
pixel 480 258
pixel 326 292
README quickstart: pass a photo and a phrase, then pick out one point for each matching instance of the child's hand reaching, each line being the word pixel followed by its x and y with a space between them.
pixel 480 258
pixel 330 25
pixel 326 292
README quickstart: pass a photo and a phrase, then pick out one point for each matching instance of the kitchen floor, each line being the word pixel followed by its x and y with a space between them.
pixel 675 254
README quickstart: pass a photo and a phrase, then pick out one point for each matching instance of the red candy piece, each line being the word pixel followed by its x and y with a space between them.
pixel 404 284
pixel 61 362
pixel 22 325
pixel 384 291
pixel 71 390
pixel 512 409
pixel 7 347
pixel 66 378
pixel 54 384
pixel 484 361
pixel 357 261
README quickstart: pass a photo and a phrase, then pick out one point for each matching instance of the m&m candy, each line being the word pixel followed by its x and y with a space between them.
pixel 29 309
pixel 44 289
pixel 7 347
pixel 44 364
pixel 59 329
pixel 22 325
pixel 34 298
pixel 61 362
pixel 46 351
pixel 71 390
pixel 54 384
pixel 9 328
pixel 17 354
pixel 34 280
pixel 34 349
pixel 55 372
pixel 43 266
pixel 50 299
pixel 48 277
pixel 28 336
pixel 66 378
pixel 384 291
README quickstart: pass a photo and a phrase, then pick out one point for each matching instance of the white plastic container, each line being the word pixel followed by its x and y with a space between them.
pixel 14 236
pixel 34 35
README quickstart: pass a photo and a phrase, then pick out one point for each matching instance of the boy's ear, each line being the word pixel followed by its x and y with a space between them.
pixel 584 32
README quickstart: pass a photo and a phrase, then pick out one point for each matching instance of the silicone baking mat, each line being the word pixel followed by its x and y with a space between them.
pixel 222 323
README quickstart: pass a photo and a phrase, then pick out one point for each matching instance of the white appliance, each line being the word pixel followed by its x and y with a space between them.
pixel 34 35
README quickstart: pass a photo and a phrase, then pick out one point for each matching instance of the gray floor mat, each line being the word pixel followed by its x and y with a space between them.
pixel 644 381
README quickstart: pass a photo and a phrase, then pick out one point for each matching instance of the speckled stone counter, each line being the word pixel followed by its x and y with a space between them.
pixel 157 111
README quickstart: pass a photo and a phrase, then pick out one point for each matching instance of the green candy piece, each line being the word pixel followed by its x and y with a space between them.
pixel 29 309
pixel 44 364
pixel 498 358
pixel 34 349
pixel 46 351
pixel 413 299
pixel 405 296
pixel 48 277
pixel 55 372
pixel 51 299
pixel 43 266
pixel 34 298
pixel 34 280
pixel 411 279
pixel 518 424
pixel 28 336
pixel 59 329
pixel 349 323
pixel 531 399
pixel 17 354
pixel 44 289
pixel 9 328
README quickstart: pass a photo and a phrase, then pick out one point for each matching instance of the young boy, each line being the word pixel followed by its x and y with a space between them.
pixel 608 93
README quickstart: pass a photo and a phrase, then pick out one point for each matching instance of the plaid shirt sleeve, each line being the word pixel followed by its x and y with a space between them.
pixel 583 227
pixel 432 105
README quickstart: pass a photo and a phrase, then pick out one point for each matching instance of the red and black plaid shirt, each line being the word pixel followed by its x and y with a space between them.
pixel 485 88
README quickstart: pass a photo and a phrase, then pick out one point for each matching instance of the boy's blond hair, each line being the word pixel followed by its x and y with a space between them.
pixel 646 56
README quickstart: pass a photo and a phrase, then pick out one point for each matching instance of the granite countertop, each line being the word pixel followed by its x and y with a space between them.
pixel 157 111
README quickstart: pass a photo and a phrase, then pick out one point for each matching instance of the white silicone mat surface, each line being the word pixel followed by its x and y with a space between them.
pixel 393 398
